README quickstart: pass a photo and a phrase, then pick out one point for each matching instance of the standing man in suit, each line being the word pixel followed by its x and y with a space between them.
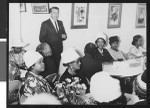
pixel 53 32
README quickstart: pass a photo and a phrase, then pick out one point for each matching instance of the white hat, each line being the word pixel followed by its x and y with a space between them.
pixel 69 55
pixel 31 57
pixel 19 43
pixel 101 35
pixel 104 88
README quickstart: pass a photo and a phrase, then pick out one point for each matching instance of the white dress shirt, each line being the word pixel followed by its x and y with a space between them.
pixel 54 23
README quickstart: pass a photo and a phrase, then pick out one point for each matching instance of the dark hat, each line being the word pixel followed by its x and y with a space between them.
pixel 113 39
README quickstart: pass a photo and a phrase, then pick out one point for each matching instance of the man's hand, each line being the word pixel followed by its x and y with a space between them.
pixel 64 36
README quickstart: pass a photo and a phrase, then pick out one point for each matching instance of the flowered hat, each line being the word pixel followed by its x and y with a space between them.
pixel 31 57
pixel 69 55
pixel 104 88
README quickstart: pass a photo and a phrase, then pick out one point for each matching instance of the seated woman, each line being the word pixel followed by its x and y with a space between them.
pixel 136 50
pixel 114 52
pixel 45 50
pixel 89 63
pixel 106 90
pixel 103 54
pixel 34 83
pixel 16 54
pixel 70 58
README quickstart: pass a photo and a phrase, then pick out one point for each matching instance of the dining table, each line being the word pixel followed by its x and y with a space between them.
pixel 125 71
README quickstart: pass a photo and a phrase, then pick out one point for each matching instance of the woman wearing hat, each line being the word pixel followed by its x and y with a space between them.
pixel 34 83
pixel 71 60
pixel 103 54
pixel 137 50
pixel 114 52
pixel 106 89
pixel 16 54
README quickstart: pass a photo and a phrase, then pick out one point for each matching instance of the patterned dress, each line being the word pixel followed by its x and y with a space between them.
pixel 17 58
pixel 34 84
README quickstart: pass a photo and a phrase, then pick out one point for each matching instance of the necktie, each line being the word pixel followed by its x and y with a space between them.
pixel 56 27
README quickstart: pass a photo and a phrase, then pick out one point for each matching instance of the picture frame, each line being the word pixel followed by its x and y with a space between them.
pixel 79 15
pixel 114 15
pixel 22 7
pixel 40 8
pixel 141 15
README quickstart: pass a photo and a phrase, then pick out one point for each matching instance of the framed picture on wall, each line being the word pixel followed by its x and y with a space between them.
pixel 40 8
pixel 79 15
pixel 114 15
pixel 141 15
pixel 22 7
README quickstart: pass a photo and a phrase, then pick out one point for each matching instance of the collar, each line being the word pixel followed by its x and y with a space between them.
pixel 114 50
pixel 101 51
pixel 52 20
pixel 39 76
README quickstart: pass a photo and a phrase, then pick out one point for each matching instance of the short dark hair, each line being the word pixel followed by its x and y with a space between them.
pixel 113 39
pixel 90 48
pixel 50 10
pixel 135 39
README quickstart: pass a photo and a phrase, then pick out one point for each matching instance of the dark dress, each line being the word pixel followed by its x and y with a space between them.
pixel 90 65
pixel 105 56
pixel 50 66
pixel 83 79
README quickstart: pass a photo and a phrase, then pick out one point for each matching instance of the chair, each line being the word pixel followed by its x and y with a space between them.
pixel 52 78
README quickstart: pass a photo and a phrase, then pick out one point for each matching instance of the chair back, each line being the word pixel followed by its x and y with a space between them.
pixel 52 78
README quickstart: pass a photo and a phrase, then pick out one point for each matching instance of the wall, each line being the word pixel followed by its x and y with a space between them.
pixel 98 16
pixel 77 38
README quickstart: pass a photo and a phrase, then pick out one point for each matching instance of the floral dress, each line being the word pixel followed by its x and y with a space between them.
pixel 34 84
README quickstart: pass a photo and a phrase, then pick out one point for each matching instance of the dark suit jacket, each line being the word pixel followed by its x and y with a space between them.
pixel 49 35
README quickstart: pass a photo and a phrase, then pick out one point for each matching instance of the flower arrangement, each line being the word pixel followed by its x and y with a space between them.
pixel 71 91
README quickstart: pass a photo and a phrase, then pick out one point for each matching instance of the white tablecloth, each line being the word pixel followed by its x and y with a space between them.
pixel 135 67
